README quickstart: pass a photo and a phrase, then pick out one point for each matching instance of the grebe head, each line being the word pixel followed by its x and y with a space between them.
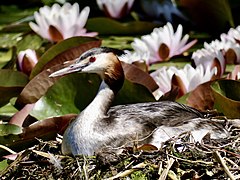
pixel 102 61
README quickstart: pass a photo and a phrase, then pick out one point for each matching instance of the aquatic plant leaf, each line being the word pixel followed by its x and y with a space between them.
pixel 29 41
pixel 67 95
pixel 8 129
pixel 17 138
pixel 11 84
pixel 4 164
pixel 8 40
pixel 7 111
pixel 8 61
pixel 201 97
pixel 74 92
pixel 11 14
pixel 199 12
pixel 227 97
pixel 107 26
pixel 60 54
pixel 136 75
pixel 63 51
pixel 178 63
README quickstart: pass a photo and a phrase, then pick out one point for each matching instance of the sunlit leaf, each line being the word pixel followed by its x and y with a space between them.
pixel 11 84
pixel 7 111
pixel 4 164
pixel 200 98
pixel 77 91
pixel 8 40
pixel 227 97
pixel 107 26
pixel 212 16
pixel 7 129
pixel 63 51
pixel 136 75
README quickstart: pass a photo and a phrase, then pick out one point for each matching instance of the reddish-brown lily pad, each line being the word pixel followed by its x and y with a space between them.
pixel 11 84
pixel 65 50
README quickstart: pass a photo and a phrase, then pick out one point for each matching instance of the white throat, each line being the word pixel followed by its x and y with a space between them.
pixel 100 105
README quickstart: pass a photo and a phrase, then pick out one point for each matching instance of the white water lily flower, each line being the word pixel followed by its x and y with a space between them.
pixel 230 49
pixel 235 74
pixel 27 59
pixel 190 78
pixel 210 58
pixel 163 43
pixel 57 23
pixel 163 78
pixel 232 35
pixel 131 57
pixel 115 8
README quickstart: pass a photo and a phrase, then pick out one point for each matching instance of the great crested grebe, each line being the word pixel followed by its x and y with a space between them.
pixel 101 126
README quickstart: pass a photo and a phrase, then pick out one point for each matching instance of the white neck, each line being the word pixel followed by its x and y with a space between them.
pixel 78 138
pixel 100 105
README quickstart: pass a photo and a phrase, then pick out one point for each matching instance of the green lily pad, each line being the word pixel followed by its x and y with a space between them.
pixel 178 64
pixel 227 97
pixel 107 26
pixel 8 40
pixel 74 92
pixel 29 42
pixel 7 111
pixel 11 14
pixel 11 84
pixel 7 57
pixel 9 133
pixel 8 129
pixel 79 43
pixel 65 95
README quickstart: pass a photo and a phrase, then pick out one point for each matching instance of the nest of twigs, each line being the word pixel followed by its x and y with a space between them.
pixel 179 158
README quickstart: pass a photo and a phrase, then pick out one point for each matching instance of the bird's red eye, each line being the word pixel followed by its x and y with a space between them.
pixel 92 59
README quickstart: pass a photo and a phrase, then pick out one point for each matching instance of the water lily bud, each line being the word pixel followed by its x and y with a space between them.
pixel 27 60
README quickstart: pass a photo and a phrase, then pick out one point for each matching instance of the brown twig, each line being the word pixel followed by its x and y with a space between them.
pixel 164 174
pixel 219 158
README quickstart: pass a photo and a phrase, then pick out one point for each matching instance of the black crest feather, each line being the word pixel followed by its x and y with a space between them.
pixel 100 50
